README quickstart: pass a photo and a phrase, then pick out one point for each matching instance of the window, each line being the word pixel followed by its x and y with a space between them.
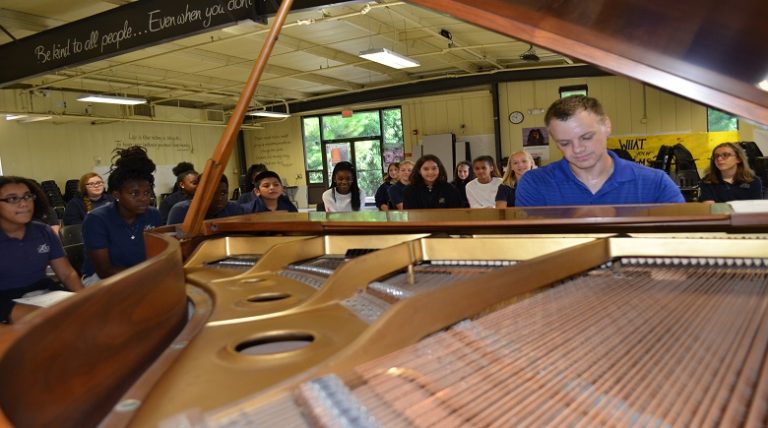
pixel 370 139
pixel 720 121
pixel 567 91
pixel 313 152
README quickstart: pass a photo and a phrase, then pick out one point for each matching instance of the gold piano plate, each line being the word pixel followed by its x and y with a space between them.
pixel 471 356
pixel 214 370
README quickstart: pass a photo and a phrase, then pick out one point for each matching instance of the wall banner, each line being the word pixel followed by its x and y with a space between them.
pixel 122 29
pixel 644 148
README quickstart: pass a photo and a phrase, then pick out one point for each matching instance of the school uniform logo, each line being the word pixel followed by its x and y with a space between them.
pixel 43 249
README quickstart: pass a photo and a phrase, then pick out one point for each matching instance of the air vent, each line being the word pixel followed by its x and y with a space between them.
pixel 214 116
pixel 140 110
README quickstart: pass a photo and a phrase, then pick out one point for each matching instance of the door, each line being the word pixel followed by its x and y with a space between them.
pixel 365 154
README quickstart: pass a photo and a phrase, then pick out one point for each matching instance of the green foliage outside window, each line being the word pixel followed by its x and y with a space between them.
pixel 313 151
pixel 721 121
pixel 375 137
pixel 361 124
pixel 368 164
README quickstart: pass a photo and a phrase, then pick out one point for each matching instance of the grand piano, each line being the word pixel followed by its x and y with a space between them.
pixel 600 315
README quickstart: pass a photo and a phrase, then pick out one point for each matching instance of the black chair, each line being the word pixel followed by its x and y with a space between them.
pixel 236 194
pixel 71 234
pixel 71 190
pixel 76 255
pixel 688 182
pixel 53 192
pixel 59 209
pixel 320 206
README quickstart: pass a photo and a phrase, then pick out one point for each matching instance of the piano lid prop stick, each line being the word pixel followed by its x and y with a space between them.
pixel 214 167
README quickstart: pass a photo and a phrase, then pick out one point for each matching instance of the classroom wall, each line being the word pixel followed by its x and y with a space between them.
pixel 633 107
pixel 72 148
pixel 47 151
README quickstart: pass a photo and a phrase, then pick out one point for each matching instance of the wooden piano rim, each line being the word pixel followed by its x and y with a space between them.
pixel 143 308
pixel 202 306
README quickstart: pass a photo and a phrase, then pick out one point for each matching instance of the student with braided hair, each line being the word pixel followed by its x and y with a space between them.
pixel 92 193
pixel 114 233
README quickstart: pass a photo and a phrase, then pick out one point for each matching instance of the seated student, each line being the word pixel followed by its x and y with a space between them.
pixel 429 187
pixel 220 207
pixel 250 185
pixel 396 191
pixel 382 193
pixel 344 194
pixel 179 169
pixel 114 233
pixel 729 177
pixel 461 176
pixel 270 196
pixel 92 193
pixel 518 164
pixel 590 174
pixel 27 248
pixel 187 184
pixel 481 192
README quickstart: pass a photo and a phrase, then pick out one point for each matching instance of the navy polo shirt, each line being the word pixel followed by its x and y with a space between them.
pixel 75 212
pixel 382 195
pixel 506 193
pixel 724 191
pixel 441 195
pixel 630 183
pixel 258 206
pixel 23 261
pixel 103 228
pixel 396 194
pixel 168 203
pixel 179 211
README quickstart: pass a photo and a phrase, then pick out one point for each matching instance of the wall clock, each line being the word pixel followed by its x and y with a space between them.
pixel 516 117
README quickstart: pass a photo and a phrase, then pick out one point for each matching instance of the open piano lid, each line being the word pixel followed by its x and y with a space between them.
pixel 707 51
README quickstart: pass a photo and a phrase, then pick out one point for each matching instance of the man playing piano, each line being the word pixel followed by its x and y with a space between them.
pixel 590 174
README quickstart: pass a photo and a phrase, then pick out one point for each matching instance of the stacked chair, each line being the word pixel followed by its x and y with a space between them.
pixel 54 195
pixel 72 239
pixel 71 190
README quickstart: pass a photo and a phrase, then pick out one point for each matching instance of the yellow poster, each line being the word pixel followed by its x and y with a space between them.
pixel 644 148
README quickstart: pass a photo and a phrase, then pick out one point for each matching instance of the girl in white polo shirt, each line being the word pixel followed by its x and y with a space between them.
pixel 481 192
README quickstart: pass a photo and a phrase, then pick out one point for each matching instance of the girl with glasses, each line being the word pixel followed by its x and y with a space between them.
pixel 729 177
pixel 27 248
pixel 114 235
pixel 92 196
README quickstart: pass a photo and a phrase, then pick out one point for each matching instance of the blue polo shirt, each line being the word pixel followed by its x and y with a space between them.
pixel 630 183
pixel 257 205
pixel 179 211
pixel 104 228
pixel 23 261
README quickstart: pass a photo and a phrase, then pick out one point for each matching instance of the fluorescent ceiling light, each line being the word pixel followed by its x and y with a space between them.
pixel 108 99
pixel 390 59
pixel 265 113
pixel 35 119
pixel 763 84
pixel 24 118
